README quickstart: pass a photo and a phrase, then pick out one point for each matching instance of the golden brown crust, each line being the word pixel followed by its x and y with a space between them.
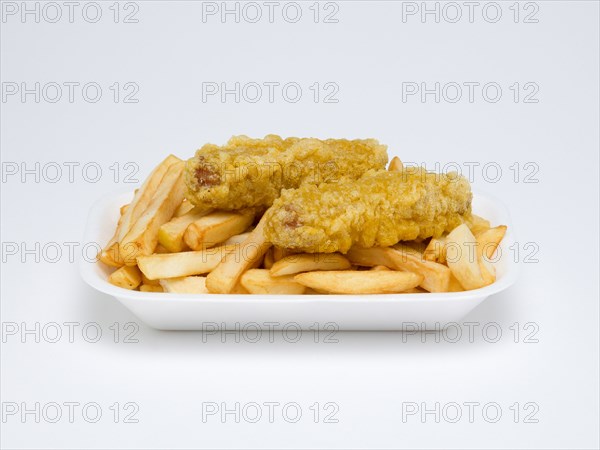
pixel 380 209
pixel 252 172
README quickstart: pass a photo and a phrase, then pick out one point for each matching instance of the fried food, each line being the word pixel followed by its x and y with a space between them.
pixel 380 209
pixel 224 278
pixel 490 239
pixel 252 172
pixel 306 262
pixel 436 250
pixel 142 199
pixel 217 227
pixel 185 285
pixel 175 265
pixel 359 282
pixel 339 223
pixel 127 277
pixel 477 224
pixel 436 277
pixel 260 281
pixel 170 234
pixel 142 238
pixel 151 288
pixel 395 164
pixel 465 259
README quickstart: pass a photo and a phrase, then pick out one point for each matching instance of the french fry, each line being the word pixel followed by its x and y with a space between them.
pixel 371 257
pixel 380 268
pixel 487 243
pixel 160 249
pixel 477 224
pixel 489 239
pixel 143 236
pixel 418 246
pixel 304 262
pixel 436 277
pixel 416 290
pixel 454 285
pixel 170 234
pixel 185 285
pixel 279 253
pixel 395 164
pixel 224 277
pixel 260 281
pixel 462 258
pixel 257 262
pixel 237 239
pixel 239 289
pixel 141 200
pixel 148 281
pixel 175 265
pixel 488 271
pixel 268 260
pixel 109 255
pixel 436 250
pixel 126 277
pixel 401 257
pixel 310 291
pixel 215 228
pixel 360 282
pixel 184 208
pixel 150 287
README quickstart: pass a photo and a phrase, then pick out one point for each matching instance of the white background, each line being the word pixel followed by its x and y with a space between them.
pixel 369 53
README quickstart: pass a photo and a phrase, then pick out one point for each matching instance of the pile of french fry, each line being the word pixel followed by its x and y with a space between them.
pixel 165 244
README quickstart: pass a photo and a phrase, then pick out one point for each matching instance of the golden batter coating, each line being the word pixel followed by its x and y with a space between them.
pixel 380 209
pixel 252 172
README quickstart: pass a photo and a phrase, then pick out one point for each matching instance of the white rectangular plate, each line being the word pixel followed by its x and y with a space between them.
pixel 344 312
